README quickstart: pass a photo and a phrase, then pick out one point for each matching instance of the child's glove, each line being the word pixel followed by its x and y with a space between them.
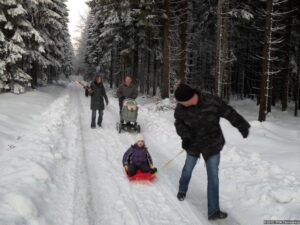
pixel 153 170
pixel 126 168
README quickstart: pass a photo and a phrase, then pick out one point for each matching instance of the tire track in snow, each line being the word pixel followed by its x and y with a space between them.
pixel 102 182
pixel 82 208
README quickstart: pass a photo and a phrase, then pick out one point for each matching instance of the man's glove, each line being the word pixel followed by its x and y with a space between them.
pixel 244 130
pixel 186 143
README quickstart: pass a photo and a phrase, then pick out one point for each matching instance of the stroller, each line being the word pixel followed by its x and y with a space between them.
pixel 129 116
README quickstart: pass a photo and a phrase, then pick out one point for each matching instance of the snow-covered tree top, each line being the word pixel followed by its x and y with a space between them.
pixel 17 38
pixel 8 26
pixel 2 37
pixel 37 36
pixel 8 2
pixel 241 14
pixel 13 48
pixel 51 13
pixel 2 67
pixel 112 19
pixel 25 23
pixel 17 11
pixel 2 17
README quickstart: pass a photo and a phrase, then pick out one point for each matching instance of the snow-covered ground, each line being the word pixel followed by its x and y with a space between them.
pixel 55 170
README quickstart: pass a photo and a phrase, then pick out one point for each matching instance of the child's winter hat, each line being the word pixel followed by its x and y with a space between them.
pixel 139 137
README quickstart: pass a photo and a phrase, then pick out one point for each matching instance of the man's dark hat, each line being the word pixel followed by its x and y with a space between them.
pixel 184 93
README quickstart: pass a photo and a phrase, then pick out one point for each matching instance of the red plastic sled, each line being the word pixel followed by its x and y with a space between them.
pixel 142 176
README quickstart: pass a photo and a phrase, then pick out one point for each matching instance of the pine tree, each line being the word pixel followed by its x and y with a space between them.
pixel 51 21
pixel 31 44
pixel 14 30
pixel 272 54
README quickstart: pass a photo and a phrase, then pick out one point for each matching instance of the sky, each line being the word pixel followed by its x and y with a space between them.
pixel 77 11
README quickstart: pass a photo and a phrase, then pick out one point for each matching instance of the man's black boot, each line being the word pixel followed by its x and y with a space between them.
pixel 181 196
pixel 218 215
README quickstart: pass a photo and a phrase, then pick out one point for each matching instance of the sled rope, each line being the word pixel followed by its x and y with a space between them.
pixel 167 163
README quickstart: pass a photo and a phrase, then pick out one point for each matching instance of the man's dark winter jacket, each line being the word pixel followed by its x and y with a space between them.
pixel 199 125
pixel 137 156
pixel 97 94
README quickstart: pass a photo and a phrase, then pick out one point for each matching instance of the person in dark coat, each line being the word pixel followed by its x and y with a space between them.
pixel 126 90
pixel 137 157
pixel 197 122
pixel 98 94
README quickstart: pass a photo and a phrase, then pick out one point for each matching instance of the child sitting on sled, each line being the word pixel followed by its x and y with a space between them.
pixel 137 158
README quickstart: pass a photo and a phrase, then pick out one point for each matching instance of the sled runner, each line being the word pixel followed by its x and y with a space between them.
pixel 140 176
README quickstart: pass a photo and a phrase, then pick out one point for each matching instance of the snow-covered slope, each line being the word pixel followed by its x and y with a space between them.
pixel 55 170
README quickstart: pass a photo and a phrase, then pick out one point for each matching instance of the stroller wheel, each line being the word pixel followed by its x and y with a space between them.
pixel 138 128
pixel 119 127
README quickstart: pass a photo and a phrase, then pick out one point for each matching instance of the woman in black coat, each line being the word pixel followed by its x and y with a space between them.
pixel 98 94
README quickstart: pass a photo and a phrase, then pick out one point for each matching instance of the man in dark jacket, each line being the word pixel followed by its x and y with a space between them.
pixel 126 90
pixel 97 93
pixel 197 117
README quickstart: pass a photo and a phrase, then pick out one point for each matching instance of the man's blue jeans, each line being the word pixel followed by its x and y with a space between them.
pixel 212 169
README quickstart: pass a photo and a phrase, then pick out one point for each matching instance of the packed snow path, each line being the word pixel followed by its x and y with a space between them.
pixel 64 172
pixel 111 198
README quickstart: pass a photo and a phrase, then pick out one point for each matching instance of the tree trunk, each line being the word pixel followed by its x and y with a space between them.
pixel 297 93
pixel 265 75
pixel 148 72
pixel 154 81
pixel 297 88
pixel 183 41
pixel 218 50
pixel 166 43
pixel 135 61
pixel 223 51
pixel 285 72
pixel 142 71
pixel 111 75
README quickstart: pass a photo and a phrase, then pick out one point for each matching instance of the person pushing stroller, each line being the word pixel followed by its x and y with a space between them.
pixel 127 93
pixel 126 90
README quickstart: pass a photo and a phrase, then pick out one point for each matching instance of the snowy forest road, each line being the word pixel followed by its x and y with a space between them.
pixel 110 197
pixel 56 170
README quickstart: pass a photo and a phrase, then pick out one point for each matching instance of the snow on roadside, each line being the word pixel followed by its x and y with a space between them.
pixel 28 169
